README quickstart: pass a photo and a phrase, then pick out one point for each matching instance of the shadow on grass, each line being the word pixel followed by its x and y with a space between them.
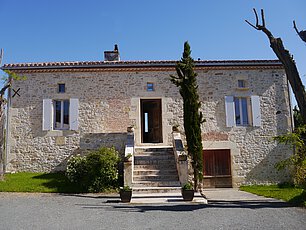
pixel 59 183
pixel 299 200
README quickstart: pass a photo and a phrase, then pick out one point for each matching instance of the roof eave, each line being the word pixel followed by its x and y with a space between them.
pixel 135 64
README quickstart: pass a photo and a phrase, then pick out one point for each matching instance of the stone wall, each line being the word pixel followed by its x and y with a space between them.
pixel 109 102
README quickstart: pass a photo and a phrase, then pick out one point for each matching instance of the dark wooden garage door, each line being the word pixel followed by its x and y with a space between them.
pixel 217 168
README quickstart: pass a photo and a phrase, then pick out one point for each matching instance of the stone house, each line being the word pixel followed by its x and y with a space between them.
pixel 63 108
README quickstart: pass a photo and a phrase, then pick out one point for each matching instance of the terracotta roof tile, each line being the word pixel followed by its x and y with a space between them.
pixel 127 64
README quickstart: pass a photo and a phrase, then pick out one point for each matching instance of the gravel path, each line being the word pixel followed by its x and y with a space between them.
pixel 226 209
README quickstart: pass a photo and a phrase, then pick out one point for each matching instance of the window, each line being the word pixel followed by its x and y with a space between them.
pixel 61 88
pixel 61 114
pixel 241 111
pixel 150 86
pixel 241 84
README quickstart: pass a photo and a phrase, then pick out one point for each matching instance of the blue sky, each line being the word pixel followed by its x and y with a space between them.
pixel 74 30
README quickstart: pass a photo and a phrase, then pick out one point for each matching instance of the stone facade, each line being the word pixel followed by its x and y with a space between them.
pixel 109 100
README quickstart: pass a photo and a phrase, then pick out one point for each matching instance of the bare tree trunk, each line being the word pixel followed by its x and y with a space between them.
pixel 2 117
pixel 289 64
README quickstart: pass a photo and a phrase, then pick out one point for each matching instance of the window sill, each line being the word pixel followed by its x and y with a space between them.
pixel 59 133
pixel 243 126
pixel 243 89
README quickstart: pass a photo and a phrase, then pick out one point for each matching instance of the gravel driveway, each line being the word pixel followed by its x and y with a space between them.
pixel 226 209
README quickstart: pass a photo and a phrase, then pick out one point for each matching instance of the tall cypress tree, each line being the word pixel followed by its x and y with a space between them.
pixel 193 118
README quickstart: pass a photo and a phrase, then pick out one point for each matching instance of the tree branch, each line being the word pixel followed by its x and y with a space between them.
pixel 294 26
pixel 262 18
pixel 251 25
pixel 289 64
pixel 301 33
pixel 4 88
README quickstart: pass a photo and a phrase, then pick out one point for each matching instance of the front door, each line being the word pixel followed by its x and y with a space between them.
pixel 151 121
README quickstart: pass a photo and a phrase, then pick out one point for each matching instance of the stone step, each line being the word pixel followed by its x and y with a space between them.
pixel 153 153
pixel 154 162
pixel 155 184
pixel 155 167
pixel 156 172
pixel 156 157
pixel 155 178
pixel 147 190
pixel 150 149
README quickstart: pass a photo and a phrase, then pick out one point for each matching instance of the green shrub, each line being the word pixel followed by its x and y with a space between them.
pixel 296 162
pixel 187 186
pixel 76 168
pixel 300 175
pixel 96 172
pixel 126 188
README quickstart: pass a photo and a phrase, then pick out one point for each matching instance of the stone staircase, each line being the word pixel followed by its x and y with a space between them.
pixel 155 171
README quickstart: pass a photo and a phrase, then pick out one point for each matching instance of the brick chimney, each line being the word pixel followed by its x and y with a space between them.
pixel 112 55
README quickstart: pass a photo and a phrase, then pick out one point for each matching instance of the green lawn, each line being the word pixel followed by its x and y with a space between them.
pixel 38 182
pixel 293 195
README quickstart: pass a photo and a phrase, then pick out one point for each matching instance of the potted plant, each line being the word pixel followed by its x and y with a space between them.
pixel 128 157
pixel 130 129
pixel 187 192
pixel 126 194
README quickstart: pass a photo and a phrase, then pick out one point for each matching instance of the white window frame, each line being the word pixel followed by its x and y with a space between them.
pixel 48 119
pixel 242 117
pixel 253 111
pixel 62 115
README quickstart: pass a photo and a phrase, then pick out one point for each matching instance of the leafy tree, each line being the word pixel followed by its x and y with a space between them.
pixel 298 121
pixel 296 162
pixel 186 81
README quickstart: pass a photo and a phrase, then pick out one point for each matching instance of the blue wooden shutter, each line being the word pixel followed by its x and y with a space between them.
pixel 230 111
pixel 255 101
pixel 47 114
pixel 74 114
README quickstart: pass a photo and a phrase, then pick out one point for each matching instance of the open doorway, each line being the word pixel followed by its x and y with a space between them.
pixel 151 121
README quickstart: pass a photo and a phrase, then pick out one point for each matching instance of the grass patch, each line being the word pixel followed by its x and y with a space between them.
pixel 38 182
pixel 288 193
